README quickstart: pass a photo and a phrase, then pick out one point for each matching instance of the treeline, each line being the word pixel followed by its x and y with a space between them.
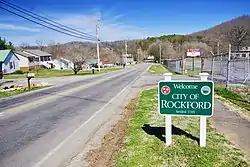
pixel 5 45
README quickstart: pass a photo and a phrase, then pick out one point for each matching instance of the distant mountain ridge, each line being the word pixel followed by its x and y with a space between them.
pixel 220 31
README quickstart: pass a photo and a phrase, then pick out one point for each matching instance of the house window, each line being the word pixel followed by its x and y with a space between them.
pixel 244 55
pixel 45 58
pixel 42 58
pixel 11 65
pixel 14 65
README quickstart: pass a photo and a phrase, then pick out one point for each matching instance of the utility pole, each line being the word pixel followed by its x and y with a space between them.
pixel 218 50
pixel 160 53
pixel 126 51
pixel 228 66
pixel 138 54
pixel 97 44
pixel 218 47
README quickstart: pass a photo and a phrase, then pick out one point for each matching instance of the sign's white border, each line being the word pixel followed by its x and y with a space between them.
pixel 183 81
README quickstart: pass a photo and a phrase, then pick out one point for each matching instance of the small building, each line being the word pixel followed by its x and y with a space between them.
pixel 27 61
pixel 62 64
pixel 128 59
pixel 44 58
pixel 244 52
pixel 9 62
pixel 108 64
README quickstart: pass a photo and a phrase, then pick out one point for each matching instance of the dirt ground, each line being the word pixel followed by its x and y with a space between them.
pixel 112 141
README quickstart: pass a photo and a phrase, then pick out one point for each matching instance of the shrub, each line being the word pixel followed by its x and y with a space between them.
pixel 18 72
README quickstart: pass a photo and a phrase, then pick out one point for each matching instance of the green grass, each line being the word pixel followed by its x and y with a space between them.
pixel 157 69
pixel 234 98
pixel 45 73
pixel 16 92
pixel 142 149
pixel 189 71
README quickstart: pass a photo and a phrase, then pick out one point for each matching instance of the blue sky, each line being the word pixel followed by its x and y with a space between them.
pixel 120 19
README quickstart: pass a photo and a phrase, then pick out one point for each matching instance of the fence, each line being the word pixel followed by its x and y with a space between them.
pixel 217 66
pixel 174 65
pixel 238 71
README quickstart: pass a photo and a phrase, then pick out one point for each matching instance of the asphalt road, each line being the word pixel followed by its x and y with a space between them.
pixel 35 126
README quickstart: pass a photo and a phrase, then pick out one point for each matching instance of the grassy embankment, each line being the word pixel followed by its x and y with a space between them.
pixel 157 69
pixel 239 96
pixel 20 91
pixel 144 141
pixel 45 73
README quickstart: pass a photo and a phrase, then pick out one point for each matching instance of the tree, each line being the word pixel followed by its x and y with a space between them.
pixel 107 55
pixel 56 50
pixel 40 44
pixel 5 45
pixel 168 50
pixel 199 38
pixel 153 50
pixel 237 36
pixel 78 55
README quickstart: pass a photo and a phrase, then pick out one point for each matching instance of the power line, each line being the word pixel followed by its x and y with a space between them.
pixel 85 38
pixel 85 35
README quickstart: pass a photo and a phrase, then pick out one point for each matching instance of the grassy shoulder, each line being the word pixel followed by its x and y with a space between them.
pixel 20 91
pixel 234 97
pixel 157 69
pixel 192 72
pixel 144 142
pixel 45 73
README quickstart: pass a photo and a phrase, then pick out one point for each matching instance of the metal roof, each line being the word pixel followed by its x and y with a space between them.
pixel 4 54
pixel 23 54
pixel 37 52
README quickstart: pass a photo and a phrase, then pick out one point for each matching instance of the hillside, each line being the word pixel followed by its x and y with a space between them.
pixel 219 32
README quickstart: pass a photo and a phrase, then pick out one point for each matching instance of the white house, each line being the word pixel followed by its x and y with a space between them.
pixel 62 64
pixel 44 59
pixel 9 62
pixel 128 59
pixel 27 62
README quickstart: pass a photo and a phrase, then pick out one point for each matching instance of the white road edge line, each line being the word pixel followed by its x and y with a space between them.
pixel 39 163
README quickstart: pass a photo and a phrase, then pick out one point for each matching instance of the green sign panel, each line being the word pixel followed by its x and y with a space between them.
pixel 186 98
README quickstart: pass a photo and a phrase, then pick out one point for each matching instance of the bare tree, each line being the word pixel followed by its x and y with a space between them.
pixel 24 45
pixel 237 36
pixel 108 55
pixel 56 50
pixel 40 44
pixel 167 50
pixel 154 50
pixel 78 55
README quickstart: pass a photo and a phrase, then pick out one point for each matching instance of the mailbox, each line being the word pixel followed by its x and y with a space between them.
pixel 31 75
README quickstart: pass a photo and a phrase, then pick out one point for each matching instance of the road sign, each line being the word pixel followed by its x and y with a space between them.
pixel 188 98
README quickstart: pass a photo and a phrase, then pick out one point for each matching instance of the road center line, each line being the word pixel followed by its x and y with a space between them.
pixel 53 151
pixel 54 97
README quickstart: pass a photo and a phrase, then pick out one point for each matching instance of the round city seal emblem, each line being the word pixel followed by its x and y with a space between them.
pixel 205 90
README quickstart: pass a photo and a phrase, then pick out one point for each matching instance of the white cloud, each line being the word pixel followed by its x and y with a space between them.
pixel 112 27
pixel 20 28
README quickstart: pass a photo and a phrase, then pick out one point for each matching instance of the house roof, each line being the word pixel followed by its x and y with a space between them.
pixel 4 54
pixel 23 54
pixel 37 52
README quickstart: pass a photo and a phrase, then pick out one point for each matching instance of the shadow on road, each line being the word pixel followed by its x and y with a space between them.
pixel 159 132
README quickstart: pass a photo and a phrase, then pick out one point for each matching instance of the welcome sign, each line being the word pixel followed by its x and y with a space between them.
pixel 186 98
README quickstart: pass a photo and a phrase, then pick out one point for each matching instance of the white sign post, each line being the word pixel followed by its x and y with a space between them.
pixel 186 98
pixel 168 118
pixel 203 119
